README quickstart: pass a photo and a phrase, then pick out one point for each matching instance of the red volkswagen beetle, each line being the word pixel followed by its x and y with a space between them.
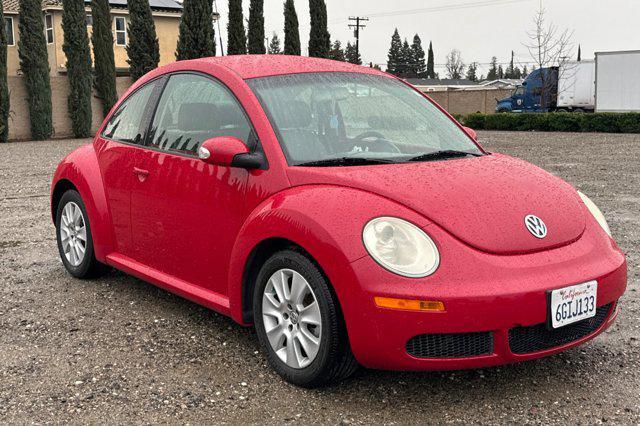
pixel 342 213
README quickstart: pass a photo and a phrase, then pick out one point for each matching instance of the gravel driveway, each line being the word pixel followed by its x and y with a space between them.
pixel 118 350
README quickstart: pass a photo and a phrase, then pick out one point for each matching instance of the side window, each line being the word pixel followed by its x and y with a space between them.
pixel 124 124
pixel 194 108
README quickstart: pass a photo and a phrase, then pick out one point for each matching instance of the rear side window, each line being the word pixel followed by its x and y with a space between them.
pixel 194 108
pixel 125 125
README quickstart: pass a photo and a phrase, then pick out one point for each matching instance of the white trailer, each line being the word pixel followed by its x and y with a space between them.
pixel 618 81
pixel 576 86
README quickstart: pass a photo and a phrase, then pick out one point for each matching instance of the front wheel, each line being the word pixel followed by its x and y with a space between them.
pixel 73 233
pixel 298 322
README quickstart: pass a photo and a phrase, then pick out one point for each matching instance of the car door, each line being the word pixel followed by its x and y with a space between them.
pixel 185 214
pixel 116 148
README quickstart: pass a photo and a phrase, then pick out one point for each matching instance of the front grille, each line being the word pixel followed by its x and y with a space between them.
pixel 455 345
pixel 525 340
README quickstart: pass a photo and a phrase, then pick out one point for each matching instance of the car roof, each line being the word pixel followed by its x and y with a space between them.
pixel 254 66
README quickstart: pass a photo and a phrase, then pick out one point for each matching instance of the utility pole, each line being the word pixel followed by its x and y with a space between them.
pixel 356 30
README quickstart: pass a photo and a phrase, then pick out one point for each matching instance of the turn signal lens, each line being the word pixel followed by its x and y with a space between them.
pixel 409 304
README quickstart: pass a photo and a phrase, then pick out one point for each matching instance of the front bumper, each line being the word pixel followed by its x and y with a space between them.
pixel 482 294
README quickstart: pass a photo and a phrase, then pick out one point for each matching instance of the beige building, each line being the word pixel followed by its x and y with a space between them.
pixel 166 15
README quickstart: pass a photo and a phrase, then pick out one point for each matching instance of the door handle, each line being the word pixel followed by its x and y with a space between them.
pixel 141 173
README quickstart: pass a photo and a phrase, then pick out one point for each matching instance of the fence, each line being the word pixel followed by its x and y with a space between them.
pixel 454 101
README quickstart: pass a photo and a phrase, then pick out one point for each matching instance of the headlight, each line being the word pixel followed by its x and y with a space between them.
pixel 595 211
pixel 401 247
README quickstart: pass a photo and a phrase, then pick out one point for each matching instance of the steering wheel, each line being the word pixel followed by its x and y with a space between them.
pixel 380 144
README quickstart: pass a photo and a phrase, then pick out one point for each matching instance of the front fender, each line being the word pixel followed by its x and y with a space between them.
pixel 326 221
pixel 80 168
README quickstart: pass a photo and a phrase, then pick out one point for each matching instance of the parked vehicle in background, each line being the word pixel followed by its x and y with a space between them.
pixel 617 82
pixel 569 88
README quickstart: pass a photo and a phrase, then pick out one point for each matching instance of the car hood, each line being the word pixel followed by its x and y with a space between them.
pixel 480 200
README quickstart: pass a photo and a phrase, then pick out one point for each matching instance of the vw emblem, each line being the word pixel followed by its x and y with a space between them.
pixel 535 225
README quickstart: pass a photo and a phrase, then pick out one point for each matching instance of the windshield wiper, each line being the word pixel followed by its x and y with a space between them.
pixel 346 161
pixel 440 155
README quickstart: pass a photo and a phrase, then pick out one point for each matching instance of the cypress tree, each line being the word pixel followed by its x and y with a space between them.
pixel 143 48
pixel 4 88
pixel 274 45
pixel 579 54
pixel 34 62
pixel 237 40
pixel 407 69
pixel 500 72
pixel 319 39
pixel 336 52
pixel 352 55
pixel 472 72
pixel 255 42
pixel 430 65
pixel 76 48
pixel 419 65
pixel 493 71
pixel 291 32
pixel 105 67
pixel 197 36
pixel 394 58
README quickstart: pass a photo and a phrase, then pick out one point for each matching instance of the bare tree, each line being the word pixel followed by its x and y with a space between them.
pixel 548 47
pixel 454 66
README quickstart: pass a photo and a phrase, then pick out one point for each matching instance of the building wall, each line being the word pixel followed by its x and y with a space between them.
pixel 19 126
pixel 167 30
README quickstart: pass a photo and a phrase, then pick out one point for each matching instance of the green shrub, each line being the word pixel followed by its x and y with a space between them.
pixel 555 122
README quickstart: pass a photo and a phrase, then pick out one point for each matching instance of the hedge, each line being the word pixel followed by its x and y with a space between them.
pixel 555 122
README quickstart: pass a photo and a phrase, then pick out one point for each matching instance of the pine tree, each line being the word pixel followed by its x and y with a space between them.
pixel 197 36
pixel 34 63
pixel 105 67
pixel 291 32
pixel 255 43
pixel 500 72
pixel 76 48
pixel 394 57
pixel 142 48
pixel 4 88
pixel 430 64
pixel 237 40
pixel 319 42
pixel 493 70
pixel 472 72
pixel 420 67
pixel 525 72
pixel 510 72
pixel 336 52
pixel 352 55
pixel 408 67
pixel 517 73
pixel 579 54
pixel 274 45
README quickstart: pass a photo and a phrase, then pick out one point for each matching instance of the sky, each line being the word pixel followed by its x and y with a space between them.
pixel 480 29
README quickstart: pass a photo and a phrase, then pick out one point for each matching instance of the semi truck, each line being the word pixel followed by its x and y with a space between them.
pixel 567 88
pixel 617 82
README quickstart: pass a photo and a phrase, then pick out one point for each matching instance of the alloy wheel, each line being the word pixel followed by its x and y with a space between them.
pixel 292 319
pixel 73 234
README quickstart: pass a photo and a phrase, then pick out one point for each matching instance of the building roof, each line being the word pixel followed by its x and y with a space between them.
pixel 12 6
pixel 440 82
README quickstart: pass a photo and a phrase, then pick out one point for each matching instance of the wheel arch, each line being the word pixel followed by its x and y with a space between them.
pixel 80 171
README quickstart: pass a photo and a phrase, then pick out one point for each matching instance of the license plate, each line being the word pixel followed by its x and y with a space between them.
pixel 571 304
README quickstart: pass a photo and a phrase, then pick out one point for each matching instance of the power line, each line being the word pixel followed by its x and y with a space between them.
pixel 356 30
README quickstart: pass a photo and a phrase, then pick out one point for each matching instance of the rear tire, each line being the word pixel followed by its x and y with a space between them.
pixel 73 233
pixel 294 307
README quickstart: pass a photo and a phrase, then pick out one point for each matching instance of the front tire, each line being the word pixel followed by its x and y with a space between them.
pixel 298 322
pixel 73 233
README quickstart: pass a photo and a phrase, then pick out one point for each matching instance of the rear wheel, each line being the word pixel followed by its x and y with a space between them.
pixel 73 233
pixel 298 322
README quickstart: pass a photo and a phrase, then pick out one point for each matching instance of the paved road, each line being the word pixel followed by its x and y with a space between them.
pixel 120 350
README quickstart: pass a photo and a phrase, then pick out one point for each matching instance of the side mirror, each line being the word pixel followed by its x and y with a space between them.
pixel 471 133
pixel 228 151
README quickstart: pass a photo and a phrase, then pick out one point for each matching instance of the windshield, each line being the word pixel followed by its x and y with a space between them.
pixel 336 116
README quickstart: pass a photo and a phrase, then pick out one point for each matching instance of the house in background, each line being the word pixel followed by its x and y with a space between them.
pixel 441 85
pixel 166 16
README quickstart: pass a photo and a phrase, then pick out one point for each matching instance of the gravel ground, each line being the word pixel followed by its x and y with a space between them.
pixel 120 350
